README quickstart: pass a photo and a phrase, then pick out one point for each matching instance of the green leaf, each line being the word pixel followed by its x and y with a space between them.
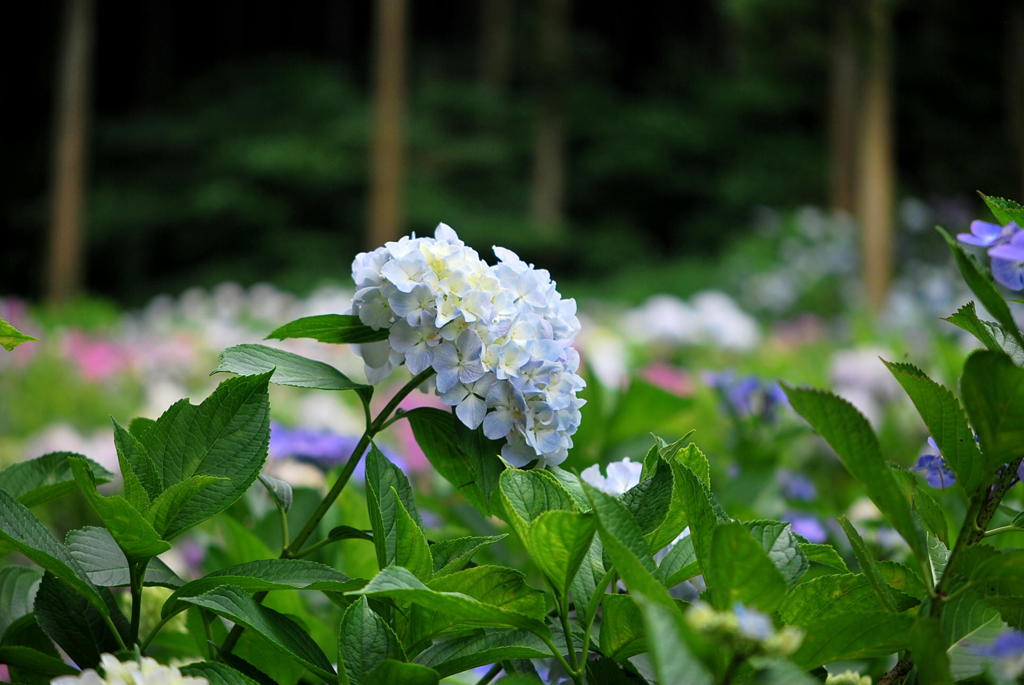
pixel 928 651
pixel 946 421
pixel 964 658
pixel 453 555
pixel 18 585
pixel 526 495
pixel 481 648
pixel 134 534
pixel 702 515
pixel 400 584
pixel 364 641
pixel 858 635
pixel 783 548
pixel 980 282
pixel 848 433
pixel 823 559
pixel 834 594
pixel 741 570
pixel 658 504
pixel 45 478
pixel 281 631
pixel 224 437
pixel 411 549
pixel 72 622
pixel 572 484
pixel 1000 579
pixel 670 653
pixel 33 661
pixel 989 333
pixel 397 528
pixel 679 564
pixel 288 368
pixel 587 579
pixel 140 474
pixel 23 667
pixel 330 328
pixel 98 554
pixel 992 388
pixel 391 671
pixel 557 542
pixel 868 564
pixel 280 491
pixel 263 576
pixel 173 511
pixel 692 458
pixel 963 615
pixel 621 628
pixel 11 337
pixel 23 530
pixel 216 673
pixel 465 458
pixel 1005 211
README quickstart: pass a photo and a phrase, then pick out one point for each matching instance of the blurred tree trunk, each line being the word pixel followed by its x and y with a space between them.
pixel 875 169
pixel 842 107
pixel 1015 86
pixel 547 195
pixel 71 125
pixel 389 104
pixel 495 43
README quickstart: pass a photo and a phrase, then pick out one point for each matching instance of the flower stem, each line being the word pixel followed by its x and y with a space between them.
pixel 137 573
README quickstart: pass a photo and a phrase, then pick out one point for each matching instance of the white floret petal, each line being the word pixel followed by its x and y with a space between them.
pixel 499 337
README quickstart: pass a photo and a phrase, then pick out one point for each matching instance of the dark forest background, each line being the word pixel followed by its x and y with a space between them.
pixel 260 141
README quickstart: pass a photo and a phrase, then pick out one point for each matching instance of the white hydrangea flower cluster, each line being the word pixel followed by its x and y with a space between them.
pixel 499 338
pixel 145 672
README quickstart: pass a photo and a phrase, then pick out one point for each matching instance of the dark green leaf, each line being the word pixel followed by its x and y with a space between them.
pixel 989 333
pixel 671 656
pixel 18 586
pixel 946 421
pixel 411 549
pixel 848 433
pixel 993 392
pixel 45 478
pixel 174 511
pixel 140 474
pixel 72 622
pixel 350 533
pixel 465 458
pixel 98 554
pixel 823 558
pixel 216 673
pixel 28 660
pixel 868 564
pixel 928 651
pixel 330 328
pixel 391 671
pixel 11 337
pixel 702 515
pixel 456 655
pixel 288 368
pixel 281 631
pixel 741 570
pixel 364 641
pixel 453 555
pixel 835 594
pixel 852 636
pixel 980 282
pixel 679 564
pixel 23 530
pixel 133 533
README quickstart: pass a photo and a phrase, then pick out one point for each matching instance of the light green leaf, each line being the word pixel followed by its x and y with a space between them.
pixel 364 641
pixel 465 458
pixel 216 673
pixel 989 333
pixel 281 631
pixel 172 512
pixel 670 653
pixel 391 671
pixel 557 542
pixel 224 437
pixel 622 633
pixel 288 368
pixel 280 491
pixel 23 530
pixel 330 328
pixel 783 548
pixel 99 556
pixel 946 421
pixel 18 585
pixel 264 576
pixel 868 564
pixel 980 282
pixel 741 570
pixel 679 564
pixel 848 433
pixel 1005 211
pixel 928 651
pixel 702 515
pixel 140 474
pixel 11 337
pixel 848 636
pixel 824 559
pixel 835 594
pixel 963 615
pixel 992 388
pixel 588 577
pixel 528 494
pixel 388 495
pixel 399 584
pixel 134 534
pixel 44 478
pixel 459 654
pixel 453 555
pixel 692 458
pixel 411 549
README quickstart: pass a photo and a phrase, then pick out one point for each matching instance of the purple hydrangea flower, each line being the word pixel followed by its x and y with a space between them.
pixel 807 526
pixel 321 448
pixel 985 234
pixel 933 468
pixel 749 395
pixel 1009 644
pixel 1008 261
pixel 797 486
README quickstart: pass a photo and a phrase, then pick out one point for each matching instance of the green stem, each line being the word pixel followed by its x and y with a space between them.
pixel 592 607
pixel 1004 529
pixel 136 573
pixel 563 615
pixel 557 653
pixel 284 526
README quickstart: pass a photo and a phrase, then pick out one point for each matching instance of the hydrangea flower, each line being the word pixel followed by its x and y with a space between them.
pixel 499 338
pixel 144 672
pixel 749 395
pixel 807 526
pixel 322 448
pixel 796 486
pixel 622 475
pixel 1005 245
pixel 933 467
pixel 1008 652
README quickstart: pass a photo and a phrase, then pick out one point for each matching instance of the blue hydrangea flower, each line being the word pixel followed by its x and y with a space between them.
pixel 807 526
pixel 1008 261
pixel 321 448
pixel 985 234
pixel 748 395
pixel 796 486
pixel 1009 644
pixel 752 623
pixel 933 468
